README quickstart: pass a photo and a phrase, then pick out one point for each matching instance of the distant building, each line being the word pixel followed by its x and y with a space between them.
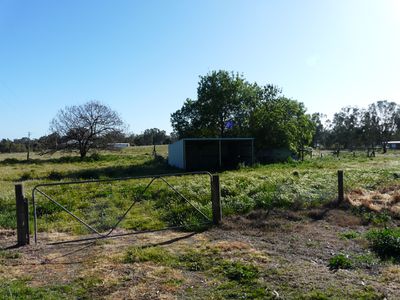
pixel 211 153
pixel 393 144
pixel 118 146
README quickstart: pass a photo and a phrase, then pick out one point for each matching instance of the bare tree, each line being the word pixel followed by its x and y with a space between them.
pixel 81 126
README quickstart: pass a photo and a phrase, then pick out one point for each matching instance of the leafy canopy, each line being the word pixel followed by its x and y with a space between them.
pixel 228 105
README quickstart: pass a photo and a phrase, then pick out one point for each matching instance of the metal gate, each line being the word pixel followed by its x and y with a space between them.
pixel 215 200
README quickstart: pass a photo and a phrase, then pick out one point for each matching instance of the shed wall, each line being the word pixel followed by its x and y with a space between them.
pixel 176 155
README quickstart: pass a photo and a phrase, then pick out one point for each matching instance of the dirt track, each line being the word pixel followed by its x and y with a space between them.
pixel 290 249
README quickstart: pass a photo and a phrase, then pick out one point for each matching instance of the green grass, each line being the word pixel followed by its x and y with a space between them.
pixel 236 279
pixel 80 288
pixel 294 185
pixel 200 260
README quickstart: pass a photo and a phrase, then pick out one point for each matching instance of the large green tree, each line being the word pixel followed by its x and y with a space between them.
pixel 281 123
pixel 224 103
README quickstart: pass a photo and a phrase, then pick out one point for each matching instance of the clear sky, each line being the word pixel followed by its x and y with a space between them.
pixel 143 58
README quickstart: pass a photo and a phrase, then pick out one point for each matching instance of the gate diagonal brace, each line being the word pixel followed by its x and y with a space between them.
pixel 119 219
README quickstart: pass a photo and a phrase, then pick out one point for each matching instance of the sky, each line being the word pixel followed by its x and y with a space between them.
pixel 144 58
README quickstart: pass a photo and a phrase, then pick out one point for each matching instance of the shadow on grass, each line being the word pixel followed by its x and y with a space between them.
pixel 63 159
pixel 153 167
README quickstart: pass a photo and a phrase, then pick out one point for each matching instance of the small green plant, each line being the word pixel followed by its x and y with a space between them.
pixel 193 260
pixel 366 260
pixel 371 217
pixel 385 242
pixel 238 271
pixel 349 235
pixel 315 295
pixel 340 261
pixel 9 255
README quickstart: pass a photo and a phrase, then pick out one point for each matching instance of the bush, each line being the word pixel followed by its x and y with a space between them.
pixel 385 242
pixel 340 261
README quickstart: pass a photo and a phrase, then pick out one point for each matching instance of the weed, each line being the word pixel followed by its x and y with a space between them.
pixel 9 255
pixel 153 254
pixel 366 260
pixel 233 290
pixel 193 260
pixel 385 242
pixel 19 289
pixel 340 261
pixel 238 271
pixel 315 295
pixel 349 235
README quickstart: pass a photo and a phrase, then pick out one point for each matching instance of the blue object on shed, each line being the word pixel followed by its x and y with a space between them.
pixel 211 153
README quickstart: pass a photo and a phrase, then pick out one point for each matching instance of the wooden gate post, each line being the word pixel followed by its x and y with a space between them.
pixel 216 200
pixel 340 186
pixel 22 216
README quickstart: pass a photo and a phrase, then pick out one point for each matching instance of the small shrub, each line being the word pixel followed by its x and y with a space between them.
pixel 340 261
pixel 385 242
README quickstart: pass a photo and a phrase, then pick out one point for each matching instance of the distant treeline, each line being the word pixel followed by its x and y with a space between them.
pixel 354 127
pixel 53 141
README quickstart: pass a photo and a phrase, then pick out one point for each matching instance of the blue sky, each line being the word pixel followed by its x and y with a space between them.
pixel 143 58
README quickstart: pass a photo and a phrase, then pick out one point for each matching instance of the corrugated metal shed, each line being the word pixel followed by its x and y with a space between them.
pixel 211 153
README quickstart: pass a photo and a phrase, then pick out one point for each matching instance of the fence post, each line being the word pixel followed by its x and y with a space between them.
pixel 216 200
pixel 22 216
pixel 340 186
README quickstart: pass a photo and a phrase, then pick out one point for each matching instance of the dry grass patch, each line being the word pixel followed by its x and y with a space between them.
pixel 386 199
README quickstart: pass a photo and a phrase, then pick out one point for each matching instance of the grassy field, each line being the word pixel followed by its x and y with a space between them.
pixel 259 204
